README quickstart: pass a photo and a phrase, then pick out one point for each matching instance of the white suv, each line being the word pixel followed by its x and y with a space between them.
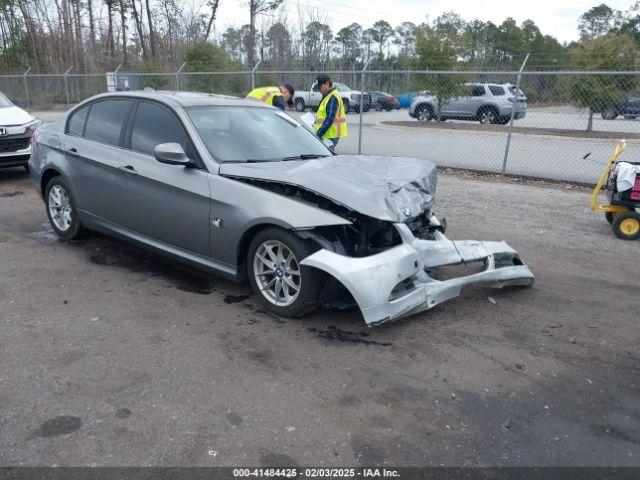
pixel 487 103
pixel 16 129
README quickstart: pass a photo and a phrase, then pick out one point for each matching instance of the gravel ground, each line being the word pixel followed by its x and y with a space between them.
pixel 112 356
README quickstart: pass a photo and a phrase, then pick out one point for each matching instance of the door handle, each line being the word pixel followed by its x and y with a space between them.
pixel 128 169
pixel 73 151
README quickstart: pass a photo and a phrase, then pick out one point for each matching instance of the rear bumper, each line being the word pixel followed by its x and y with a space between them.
pixel 374 280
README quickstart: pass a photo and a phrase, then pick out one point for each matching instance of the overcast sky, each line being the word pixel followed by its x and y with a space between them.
pixel 554 17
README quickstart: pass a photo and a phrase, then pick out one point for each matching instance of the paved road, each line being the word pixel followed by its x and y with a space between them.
pixel 111 356
pixel 539 156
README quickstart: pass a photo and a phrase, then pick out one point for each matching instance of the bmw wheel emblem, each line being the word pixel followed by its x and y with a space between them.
pixel 407 212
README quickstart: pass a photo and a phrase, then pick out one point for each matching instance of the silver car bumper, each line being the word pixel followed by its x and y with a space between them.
pixel 374 281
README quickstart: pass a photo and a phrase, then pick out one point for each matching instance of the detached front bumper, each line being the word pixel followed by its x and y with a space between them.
pixel 399 282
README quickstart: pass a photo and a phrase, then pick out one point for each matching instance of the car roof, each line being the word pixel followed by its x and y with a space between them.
pixel 184 99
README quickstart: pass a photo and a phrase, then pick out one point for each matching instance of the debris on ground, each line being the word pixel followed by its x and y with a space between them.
pixel 492 300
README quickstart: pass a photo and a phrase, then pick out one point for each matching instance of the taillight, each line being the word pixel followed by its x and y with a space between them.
pixel 390 99
pixel 32 141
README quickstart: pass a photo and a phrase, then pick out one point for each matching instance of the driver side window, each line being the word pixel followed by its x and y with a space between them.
pixel 155 124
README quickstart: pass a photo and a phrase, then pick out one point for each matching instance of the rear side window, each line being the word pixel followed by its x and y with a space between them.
pixel 105 120
pixel 155 124
pixel 77 121
pixel 496 90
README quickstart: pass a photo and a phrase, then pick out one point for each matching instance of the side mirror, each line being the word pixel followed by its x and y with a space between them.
pixel 172 154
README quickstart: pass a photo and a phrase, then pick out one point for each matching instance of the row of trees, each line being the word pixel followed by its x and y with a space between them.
pixel 94 35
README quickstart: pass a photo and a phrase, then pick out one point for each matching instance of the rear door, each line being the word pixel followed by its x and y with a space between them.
pixel 477 98
pixel 92 148
pixel 169 203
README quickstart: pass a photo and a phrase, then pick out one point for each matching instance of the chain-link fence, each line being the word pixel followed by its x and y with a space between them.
pixel 456 119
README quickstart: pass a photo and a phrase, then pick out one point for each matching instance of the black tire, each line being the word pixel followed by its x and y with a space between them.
pixel 299 105
pixel 630 117
pixel 367 108
pixel 312 281
pixel 622 223
pixel 424 112
pixel 488 116
pixel 504 120
pixel 75 228
pixel 609 113
pixel 609 216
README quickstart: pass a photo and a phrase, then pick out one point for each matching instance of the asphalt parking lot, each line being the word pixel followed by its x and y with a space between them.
pixel 112 356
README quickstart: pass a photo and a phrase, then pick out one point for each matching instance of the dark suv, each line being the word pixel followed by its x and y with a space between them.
pixel 630 108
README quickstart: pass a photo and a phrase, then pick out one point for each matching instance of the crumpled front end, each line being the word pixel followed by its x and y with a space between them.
pixel 405 279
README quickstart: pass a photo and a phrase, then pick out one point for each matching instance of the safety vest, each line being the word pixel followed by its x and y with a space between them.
pixel 339 126
pixel 265 94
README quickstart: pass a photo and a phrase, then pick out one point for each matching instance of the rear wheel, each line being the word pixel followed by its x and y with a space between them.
pixel 283 285
pixel 488 116
pixel 626 226
pixel 61 210
pixel 299 105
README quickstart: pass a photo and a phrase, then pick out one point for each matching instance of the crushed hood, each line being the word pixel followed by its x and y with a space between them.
pixel 394 189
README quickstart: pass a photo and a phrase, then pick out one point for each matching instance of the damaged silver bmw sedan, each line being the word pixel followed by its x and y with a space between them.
pixel 244 191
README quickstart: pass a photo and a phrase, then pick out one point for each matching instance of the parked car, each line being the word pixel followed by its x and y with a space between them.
pixel 630 108
pixel 485 102
pixel 242 190
pixel 405 99
pixel 384 101
pixel 351 98
pixel 16 129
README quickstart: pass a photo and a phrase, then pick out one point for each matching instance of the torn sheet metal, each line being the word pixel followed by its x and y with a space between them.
pixel 394 189
pixel 397 283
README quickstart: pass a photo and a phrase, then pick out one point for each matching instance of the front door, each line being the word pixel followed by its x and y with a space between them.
pixel 169 203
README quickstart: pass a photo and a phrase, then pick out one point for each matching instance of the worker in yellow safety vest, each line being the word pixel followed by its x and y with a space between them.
pixel 276 96
pixel 331 118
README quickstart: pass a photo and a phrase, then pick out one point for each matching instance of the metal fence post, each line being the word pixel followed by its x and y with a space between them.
pixel 26 87
pixel 513 114
pixel 66 84
pixel 364 68
pixel 253 74
pixel 178 83
pixel 115 77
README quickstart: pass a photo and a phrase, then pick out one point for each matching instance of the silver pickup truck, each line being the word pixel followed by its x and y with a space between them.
pixel 351 98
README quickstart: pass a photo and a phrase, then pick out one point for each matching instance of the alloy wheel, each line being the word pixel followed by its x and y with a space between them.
pixel 60 209
pixel 277 273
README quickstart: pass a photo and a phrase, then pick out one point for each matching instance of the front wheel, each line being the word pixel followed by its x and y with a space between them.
pixel 626 226
pixel 61 210
pixel 299 105
pixel 424 113
pixel 283 285
pixel 609 113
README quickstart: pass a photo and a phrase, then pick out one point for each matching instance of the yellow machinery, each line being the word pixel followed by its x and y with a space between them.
pixel 620 212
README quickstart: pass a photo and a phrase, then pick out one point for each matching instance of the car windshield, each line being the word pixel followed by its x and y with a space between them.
pixel 254 134
pixel 4 101
pixel 341 87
